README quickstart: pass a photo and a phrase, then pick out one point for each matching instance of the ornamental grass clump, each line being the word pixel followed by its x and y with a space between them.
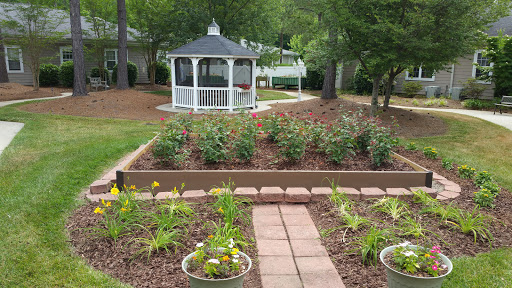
pixel 466 172
pixel 418 261
pixel 430 152
pixel 371 243
pixel 230 207
pixel 392 206
pixel 472 222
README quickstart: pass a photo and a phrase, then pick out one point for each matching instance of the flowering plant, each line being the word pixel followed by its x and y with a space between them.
pixel 419 261
pixel 244 86
pixel 466 172
pixel 430 152
pixel 484 198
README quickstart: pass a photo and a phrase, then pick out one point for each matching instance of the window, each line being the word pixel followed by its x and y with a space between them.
pixel 66 54
pixel 13 59
pixel 110 59
pixel 420 74
pixel 481 61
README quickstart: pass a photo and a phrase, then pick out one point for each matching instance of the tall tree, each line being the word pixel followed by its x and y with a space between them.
pixel 122 54
pixel 79 83
pixel 4 77
pixel 35 28
pixel 391 35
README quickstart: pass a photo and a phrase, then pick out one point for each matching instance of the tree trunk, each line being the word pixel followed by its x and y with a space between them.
pixel 281 44
pixel 34 67
pixel 79 83
pixel 389 84
pixel 329 86
pixel 4 77
pixel 122 61
pixel 375 96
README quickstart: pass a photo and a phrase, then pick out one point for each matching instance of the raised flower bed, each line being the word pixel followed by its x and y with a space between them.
pixel 287 82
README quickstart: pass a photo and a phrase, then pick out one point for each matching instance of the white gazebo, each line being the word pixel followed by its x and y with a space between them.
pixel 207 73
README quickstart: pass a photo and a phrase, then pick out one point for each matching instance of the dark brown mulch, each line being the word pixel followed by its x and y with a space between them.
pixel 355 274
pixel 15 91
pixel 162 269
pixel 266 158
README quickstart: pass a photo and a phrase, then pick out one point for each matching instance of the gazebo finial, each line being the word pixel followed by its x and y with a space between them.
pixel 213 28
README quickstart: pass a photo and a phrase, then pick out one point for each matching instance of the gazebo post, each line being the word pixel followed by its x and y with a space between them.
pixel 173 82
pixel 195 61
pixel 231 63
pixel 253 83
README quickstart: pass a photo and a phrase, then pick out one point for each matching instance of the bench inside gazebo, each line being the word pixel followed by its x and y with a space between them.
pixel 213 72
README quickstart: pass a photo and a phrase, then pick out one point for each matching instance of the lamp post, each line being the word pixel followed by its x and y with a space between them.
pixel 299 65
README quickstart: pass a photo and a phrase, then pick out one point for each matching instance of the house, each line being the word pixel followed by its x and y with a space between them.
pixel 18 67
pixel 458 73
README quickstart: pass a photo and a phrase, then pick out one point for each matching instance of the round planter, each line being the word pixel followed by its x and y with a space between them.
pixel 235 282
pixel 400 280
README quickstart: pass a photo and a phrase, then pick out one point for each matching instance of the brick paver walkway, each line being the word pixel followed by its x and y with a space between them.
pixel 290 252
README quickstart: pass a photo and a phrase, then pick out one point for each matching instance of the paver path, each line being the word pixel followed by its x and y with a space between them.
pixel 289 250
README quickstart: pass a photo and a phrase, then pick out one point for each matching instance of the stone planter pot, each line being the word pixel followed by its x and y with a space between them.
pixel 400 280
pixel 235 282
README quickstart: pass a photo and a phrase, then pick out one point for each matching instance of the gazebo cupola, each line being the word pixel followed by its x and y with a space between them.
pixel 208 72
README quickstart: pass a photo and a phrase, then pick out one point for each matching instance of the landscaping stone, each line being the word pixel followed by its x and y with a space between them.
pixel 441 198
pixel 321 280
pixel 429 191
pixel 400 193
pixel 273 247
pixel 352 193
pixel 281 281
pixel 100 186
pixel 144 196
pixel 271 194
pixel 167 195
pixel 297 220
pixel 436 176
pixel 194 196
pixel 270 232
pixel 317 265
pixel 446 182
pixel 302 232
pixel 249 192
pixel 277 265
pixel 293 210
pixel 372 192
pixel 265 210
pixel 454 188
pixel 320 193
pixel 266 220
pixel 98 197
pixel 312 248
pixel 297 195
pixel 449 194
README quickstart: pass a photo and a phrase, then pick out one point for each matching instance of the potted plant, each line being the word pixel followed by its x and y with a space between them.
pixel 216 264
pixel 244 86
pixel 411 266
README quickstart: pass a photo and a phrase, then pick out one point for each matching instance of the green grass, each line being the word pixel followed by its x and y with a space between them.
pixel 42 172
pixel 492 269
pixel 272 95
pixel 477 143
pixel 161 92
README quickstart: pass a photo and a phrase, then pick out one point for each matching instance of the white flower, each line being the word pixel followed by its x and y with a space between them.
pixel 230 245
pixel 234 260
pixel 409 253
pixel 232 242
pixel 236 255
pixel 214 261
pixel 444 266
pixel 404 244
pixel 201 244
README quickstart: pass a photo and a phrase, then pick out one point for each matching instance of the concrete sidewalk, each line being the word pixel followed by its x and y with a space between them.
pixel 9 129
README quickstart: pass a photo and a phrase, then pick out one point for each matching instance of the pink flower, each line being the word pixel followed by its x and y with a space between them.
pixel 259 124
pixel 254 115
pixel 163 119
pixel 434 267
pixel 281 115
pixel 310 113
pixel 184 132
pixel 432 257
pixel 189 113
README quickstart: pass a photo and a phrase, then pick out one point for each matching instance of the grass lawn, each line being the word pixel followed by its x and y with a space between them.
pixel 272 95
pixel 161 92
pixel 56 157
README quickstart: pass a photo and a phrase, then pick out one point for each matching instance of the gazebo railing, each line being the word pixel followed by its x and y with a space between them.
pixel 214 98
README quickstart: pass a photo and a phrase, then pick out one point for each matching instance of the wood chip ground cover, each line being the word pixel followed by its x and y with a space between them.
pixel 350 267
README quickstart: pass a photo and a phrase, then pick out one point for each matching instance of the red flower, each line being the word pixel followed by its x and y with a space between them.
pixel 310 113
pixel 281 114
pixel 163 119
pixel 254 115
pixel 259 124
pixel 189 113
pixel 184 132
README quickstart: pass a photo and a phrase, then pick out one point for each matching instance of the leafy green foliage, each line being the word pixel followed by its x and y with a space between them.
pixel 392 206
pixel 472 89
pixel 133 73
pixel 370 244
pixel 409 226
pixel 363 84
pixel 169 143
pixel 291 139
pixel 466 172
pixel 430 152
pixel 447 164
pixel 315 79
pixel 499 52
pixel 482 177
pixel 420 259
pixel 244 139
pixel 66 74
pixel 162 239
pixel 48 75
pixel 229 206
pixel 213 137
pixel 484 198
pixel 411 88
pixel 411 146
pixel 478 104
pixel 472 222
pixel 162 73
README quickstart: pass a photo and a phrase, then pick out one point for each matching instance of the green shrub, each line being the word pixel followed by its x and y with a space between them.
pixel 411 146
pixel 133 73
pixel 66 74
pixel 162 73
pixel 48 75
pixel 477 104
pixel 484 198
pixel 95 72
pixel 472 89
pixel 447 164
pixel 363 84
pixel 315 79
pixel 412 88
pixel 482 177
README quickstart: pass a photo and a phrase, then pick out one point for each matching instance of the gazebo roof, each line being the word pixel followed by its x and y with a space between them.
pixel 213 44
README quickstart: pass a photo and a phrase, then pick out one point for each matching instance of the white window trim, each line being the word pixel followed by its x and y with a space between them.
pixel 117 56
pixel 473 72
pixel 409 78
pixel 62 48
pixel 7 60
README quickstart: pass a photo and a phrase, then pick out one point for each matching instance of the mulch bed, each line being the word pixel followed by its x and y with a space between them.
pixel 266 158
pixel 15 91
pixel 350 267
pixel 162 269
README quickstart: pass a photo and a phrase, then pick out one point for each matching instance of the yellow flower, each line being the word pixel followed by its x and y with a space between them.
pixel 155 184
pixel 486 195
pixel 124 185
pixel 427 256
pixel 126 202
pixel 210 236
pixel 114 190
pixel 103 202
pixel 98 210
pixel 174 191
pixel 220 210
pixel 234 251
pixel 225 258
pixel 133 187
pixel 124 210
